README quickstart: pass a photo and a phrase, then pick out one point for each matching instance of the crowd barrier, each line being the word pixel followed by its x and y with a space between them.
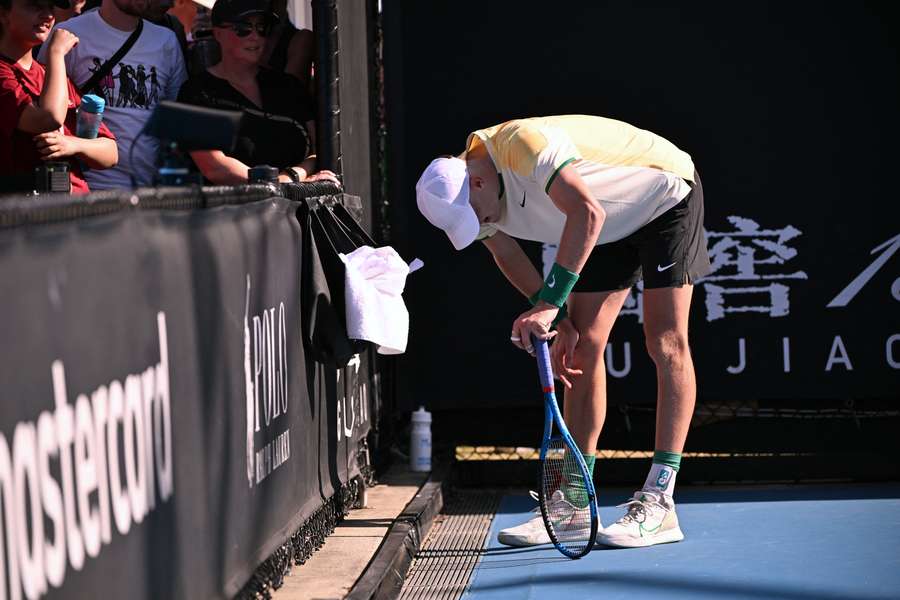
pixel 167 430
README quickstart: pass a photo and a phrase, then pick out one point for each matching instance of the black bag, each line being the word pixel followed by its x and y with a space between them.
pixel 329 230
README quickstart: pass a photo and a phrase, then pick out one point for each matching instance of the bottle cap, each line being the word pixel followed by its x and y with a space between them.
pixel 93 104
pixel 262 174
pixel 421 416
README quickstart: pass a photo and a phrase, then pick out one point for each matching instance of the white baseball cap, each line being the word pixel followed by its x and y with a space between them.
pixel 442 194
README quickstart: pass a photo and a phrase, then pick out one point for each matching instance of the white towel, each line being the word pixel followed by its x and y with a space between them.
pixel 375 310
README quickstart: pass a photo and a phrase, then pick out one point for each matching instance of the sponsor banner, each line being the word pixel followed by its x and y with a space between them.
pixel 344 419
pixel 160 435
pixel 773 320
pixel 783 315
pixel 99 367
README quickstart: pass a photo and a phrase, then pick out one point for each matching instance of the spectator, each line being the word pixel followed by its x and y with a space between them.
pixel 37 105
pixel 151 71
pixel 64 14
pixel 289 49
pixel 277 129
pixel 158 12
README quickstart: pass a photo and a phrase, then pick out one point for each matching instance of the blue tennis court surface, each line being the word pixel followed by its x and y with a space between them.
pixel 807 542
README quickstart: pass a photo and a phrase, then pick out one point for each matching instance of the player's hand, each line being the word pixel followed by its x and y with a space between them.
pixel 61 42
pixel 562 352
pixel 535 322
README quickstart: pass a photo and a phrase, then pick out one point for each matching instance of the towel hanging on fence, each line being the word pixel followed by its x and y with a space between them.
pixel 375 310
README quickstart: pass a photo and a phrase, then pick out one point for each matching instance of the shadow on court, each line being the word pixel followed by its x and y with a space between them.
pixel 562 586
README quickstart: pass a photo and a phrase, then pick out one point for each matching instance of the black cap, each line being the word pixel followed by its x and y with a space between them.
pixel 230 11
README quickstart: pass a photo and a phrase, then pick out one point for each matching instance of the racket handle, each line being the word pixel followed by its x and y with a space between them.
pixel 545 371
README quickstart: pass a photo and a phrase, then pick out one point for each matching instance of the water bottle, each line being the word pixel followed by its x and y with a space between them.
pixel 420 441
pixel 90 114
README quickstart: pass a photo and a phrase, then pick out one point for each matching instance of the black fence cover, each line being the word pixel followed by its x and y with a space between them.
pixel 163 428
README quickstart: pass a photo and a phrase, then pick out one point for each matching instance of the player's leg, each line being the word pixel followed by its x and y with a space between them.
pixel 673 255
pixel 584 409
pixel 666 314
pixel 593 309
pixel 593 315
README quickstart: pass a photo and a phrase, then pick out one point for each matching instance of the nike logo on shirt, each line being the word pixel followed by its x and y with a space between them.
pixel 523 198
pixel 661 268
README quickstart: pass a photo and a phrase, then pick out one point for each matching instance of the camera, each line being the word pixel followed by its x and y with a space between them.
pixel 52 177
pixel 182 128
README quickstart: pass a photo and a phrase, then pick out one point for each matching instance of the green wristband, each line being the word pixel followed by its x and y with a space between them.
pixel 558 285
pixel 562 314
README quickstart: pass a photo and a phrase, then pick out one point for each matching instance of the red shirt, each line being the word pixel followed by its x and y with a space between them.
pixel 18 152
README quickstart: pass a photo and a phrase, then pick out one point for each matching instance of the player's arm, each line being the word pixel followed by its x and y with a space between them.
pixel 514 263
pixel 584 218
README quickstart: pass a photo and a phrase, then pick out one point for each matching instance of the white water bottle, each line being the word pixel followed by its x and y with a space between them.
pixel 420 441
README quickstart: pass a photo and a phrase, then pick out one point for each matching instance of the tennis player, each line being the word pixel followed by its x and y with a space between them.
pixel 622 204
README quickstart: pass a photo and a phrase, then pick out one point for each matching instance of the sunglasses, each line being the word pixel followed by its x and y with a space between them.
pixel 243 29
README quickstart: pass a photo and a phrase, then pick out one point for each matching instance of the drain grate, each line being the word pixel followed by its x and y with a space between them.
pixel 442 568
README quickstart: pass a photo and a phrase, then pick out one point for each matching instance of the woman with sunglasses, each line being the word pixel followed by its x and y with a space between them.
pixel 278 124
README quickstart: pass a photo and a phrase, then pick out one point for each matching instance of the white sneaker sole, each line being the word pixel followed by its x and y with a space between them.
pixel 521 541
pixel 627 541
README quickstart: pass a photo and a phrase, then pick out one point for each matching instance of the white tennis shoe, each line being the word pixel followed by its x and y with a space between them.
pixel 650 520
pixel 534 533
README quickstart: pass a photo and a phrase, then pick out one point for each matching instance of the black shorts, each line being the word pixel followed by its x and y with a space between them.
pixel 669 251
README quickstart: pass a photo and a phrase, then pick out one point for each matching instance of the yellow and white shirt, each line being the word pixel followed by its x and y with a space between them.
pixel 634 174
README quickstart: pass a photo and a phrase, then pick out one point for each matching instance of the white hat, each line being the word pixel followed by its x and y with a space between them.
pixel 442 194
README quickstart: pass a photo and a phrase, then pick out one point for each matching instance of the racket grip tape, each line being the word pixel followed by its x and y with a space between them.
pixel 545 371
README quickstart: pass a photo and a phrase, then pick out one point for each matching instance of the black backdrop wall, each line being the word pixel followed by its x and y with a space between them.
pixel 790 113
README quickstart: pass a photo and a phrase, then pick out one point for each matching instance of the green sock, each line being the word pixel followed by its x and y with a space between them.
pixel 670 459
pixel 576 492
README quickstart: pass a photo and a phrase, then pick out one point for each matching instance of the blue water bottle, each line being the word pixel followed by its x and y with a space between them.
pixel 90 114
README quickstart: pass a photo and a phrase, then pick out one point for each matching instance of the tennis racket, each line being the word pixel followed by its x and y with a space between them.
pixel 566 490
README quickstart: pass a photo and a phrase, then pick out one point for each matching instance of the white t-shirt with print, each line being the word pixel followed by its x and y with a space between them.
pixel 151 71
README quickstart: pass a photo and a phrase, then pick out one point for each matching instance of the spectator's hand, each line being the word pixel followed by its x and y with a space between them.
pixel 61 42
pixel 562 351
pixel 323 175
pixel 53 145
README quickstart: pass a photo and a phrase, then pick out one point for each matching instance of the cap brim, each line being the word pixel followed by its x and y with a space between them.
pixel 62 4
pixel 466 230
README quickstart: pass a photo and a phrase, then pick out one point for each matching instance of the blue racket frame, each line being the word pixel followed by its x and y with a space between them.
pixel 553 415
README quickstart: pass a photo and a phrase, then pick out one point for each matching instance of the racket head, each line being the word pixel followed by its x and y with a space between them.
pixel 567 499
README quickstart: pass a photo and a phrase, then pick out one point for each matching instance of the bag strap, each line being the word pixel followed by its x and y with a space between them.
pixel 104 70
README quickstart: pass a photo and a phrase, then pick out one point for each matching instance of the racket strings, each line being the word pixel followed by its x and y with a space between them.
pixel 566 502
